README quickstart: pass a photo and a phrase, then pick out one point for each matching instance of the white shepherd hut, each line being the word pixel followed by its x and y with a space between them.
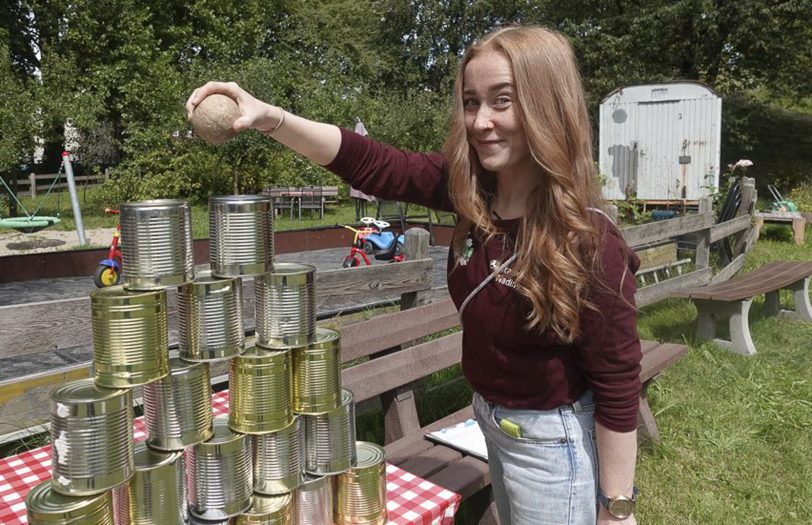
pixel 660 142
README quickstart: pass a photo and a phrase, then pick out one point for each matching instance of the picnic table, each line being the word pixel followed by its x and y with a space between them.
pixel 410 499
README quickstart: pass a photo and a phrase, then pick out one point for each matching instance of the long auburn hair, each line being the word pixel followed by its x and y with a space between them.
pixel 558 237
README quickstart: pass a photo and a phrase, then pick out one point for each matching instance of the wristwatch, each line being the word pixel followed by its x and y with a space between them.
pixel 619 507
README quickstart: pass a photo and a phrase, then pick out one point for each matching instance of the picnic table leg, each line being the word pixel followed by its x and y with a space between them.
pixel 647 426
pixel 798 226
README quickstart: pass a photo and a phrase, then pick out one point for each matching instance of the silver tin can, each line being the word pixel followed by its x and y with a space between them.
pixel 130 336
pixel 241 235
pixel 218 474
pixel 157 491
pixel 177 408
pixel 317 374
pixel 156 242
pixel 330 438
pixel 260 391
pixel 91 438
pixel 313 501
pixel 285 306
pixel 361 492
pixel 279 459
pixel 210 324
pixel 44 506
pixel 268 510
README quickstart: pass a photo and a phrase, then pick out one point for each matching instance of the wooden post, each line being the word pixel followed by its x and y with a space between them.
pixel 744 240
pixel 703 236
pixel 32 185
pixel 400 411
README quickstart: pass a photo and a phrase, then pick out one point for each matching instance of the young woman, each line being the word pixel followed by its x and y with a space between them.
pixel 543 280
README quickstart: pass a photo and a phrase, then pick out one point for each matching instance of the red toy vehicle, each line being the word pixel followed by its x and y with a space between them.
pixel 373 240
pixel 108 272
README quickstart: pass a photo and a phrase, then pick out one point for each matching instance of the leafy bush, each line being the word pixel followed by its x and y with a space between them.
pixel 802 196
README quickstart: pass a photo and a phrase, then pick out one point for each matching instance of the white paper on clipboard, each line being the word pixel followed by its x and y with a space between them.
pixel 465 437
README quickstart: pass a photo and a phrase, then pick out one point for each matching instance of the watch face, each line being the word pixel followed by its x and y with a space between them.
pixel 621 508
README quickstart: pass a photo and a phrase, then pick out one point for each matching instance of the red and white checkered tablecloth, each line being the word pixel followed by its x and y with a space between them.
pixel 410 499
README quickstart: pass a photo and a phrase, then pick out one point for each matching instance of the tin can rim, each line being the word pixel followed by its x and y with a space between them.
pixel 48 505
pixel 236 199
pixel 120 293
pixel 154 203
pixel 86 390
pixel 146 458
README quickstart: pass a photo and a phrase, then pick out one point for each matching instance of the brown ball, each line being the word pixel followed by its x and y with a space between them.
pixel 214 117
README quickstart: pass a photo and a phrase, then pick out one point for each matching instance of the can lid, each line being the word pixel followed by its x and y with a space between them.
pixel 255 355
pixel 146 458
pixel 47 506
pixel 121 295
pixel 291 268
pixel 178 366
pixel 325 338
pixel 236 199
pixel 206 284
pixel 223 437
pixel 84 392
pixel 264 505
pixel 369 455
pixel 154 203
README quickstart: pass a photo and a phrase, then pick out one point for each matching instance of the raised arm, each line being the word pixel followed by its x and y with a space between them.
pixel 317 141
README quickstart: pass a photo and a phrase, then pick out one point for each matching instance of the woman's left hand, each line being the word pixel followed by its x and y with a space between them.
pixel 604 518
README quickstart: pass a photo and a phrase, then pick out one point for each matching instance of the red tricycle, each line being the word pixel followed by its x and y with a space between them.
pixel 108 272
pixel 373 240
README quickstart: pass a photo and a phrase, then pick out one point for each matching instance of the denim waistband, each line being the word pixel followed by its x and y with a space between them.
pixel 582 404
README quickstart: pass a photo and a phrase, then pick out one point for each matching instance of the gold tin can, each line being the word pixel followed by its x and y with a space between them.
pixel 91 438
pixel 330 438
pixel 260 391
pixel 45 506
pixel 278 459
pixel 194 520
pixel 157 491
pixel 241 231
pixel 218 474
pixel 210 324
pixel 177 408
pixel 130 336
pixel 285 306
pixel 156 243
pixel 313 501
pixel 268 510
pixel 361 492
pixel 317 374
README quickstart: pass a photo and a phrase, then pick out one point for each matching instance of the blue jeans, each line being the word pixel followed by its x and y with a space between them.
pixel 549 475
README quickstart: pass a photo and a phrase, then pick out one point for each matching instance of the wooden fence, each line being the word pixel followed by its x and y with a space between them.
pixel 38 183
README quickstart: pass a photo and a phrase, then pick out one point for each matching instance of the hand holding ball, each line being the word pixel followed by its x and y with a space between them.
pixel 213 119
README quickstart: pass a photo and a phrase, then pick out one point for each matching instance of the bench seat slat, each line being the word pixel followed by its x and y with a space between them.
pixel 767 278
pixel 430 461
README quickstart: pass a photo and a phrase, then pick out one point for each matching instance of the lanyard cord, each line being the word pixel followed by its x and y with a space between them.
pixel 491 276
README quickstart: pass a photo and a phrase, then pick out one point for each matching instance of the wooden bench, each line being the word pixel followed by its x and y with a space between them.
pixel 397 357
pixel 731 300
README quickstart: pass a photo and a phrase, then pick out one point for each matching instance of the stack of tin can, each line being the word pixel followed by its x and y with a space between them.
pixel 285 454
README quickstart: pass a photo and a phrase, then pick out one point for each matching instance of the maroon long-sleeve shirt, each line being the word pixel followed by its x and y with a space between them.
pixel 503 361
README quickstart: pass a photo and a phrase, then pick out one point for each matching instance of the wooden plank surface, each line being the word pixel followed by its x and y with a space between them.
pixel 723 229
pixel 668 288
pixel 660 230
pixel 770 277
